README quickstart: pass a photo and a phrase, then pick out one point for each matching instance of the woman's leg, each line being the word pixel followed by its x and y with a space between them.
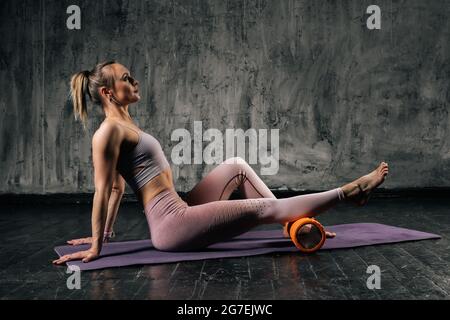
pixel 220 183
pixel 176 226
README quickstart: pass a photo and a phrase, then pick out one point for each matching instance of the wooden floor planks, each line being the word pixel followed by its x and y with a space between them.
pixel 412 270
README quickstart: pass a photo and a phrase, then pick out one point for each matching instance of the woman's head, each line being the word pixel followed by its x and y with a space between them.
pixel 109 83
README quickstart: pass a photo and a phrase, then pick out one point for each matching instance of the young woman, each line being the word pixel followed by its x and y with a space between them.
pixel 124 153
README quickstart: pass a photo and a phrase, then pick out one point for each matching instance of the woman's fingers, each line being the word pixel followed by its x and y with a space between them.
pixel 63 259
pixel 85 256
pixel 78 255
pixel 76 242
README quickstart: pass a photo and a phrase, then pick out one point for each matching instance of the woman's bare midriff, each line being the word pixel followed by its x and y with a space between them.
pixel 158 184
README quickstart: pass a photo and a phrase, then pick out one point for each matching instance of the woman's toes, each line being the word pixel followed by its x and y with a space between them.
pixel 330 234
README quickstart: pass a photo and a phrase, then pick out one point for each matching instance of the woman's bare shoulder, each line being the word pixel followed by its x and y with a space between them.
pixel 108 133
pixel 108 123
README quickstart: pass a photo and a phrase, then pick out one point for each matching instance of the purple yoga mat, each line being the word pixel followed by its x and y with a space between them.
pixel 118 254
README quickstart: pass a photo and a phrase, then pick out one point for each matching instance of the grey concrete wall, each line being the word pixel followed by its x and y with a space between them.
pixel 343 97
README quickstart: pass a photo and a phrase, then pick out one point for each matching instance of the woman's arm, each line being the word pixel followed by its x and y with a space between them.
pixel 118 189
pixel 105 151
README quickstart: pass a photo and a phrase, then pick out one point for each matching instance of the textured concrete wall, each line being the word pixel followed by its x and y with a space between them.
pixel 343 97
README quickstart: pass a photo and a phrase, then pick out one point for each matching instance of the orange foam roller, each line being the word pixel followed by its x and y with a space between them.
pixel 307 234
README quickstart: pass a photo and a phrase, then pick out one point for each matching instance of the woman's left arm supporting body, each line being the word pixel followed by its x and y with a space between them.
pixel 105 150
pixel 118 189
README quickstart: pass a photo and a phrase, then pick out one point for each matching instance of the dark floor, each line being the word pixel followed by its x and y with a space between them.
pixel 413 270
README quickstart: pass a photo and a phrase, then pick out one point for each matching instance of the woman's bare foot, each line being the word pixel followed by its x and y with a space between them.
pixel 330 234
pixel 359 190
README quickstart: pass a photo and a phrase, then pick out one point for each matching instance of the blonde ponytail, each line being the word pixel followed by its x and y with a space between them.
pixel 89 82
pixel 79 87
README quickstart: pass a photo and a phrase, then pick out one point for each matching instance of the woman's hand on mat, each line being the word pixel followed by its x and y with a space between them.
pixel 87 240
pixel 85 256
pixel 76 242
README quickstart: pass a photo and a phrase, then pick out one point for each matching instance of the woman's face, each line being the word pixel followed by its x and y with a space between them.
pixel 126 89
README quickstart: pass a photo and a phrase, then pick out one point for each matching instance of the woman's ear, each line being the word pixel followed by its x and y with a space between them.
pixel 103 92
pixel 106 93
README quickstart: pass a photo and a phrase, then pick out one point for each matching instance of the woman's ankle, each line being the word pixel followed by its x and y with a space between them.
pixel 350 190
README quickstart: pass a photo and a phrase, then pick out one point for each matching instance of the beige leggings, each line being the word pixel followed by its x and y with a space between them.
pixel 206 216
